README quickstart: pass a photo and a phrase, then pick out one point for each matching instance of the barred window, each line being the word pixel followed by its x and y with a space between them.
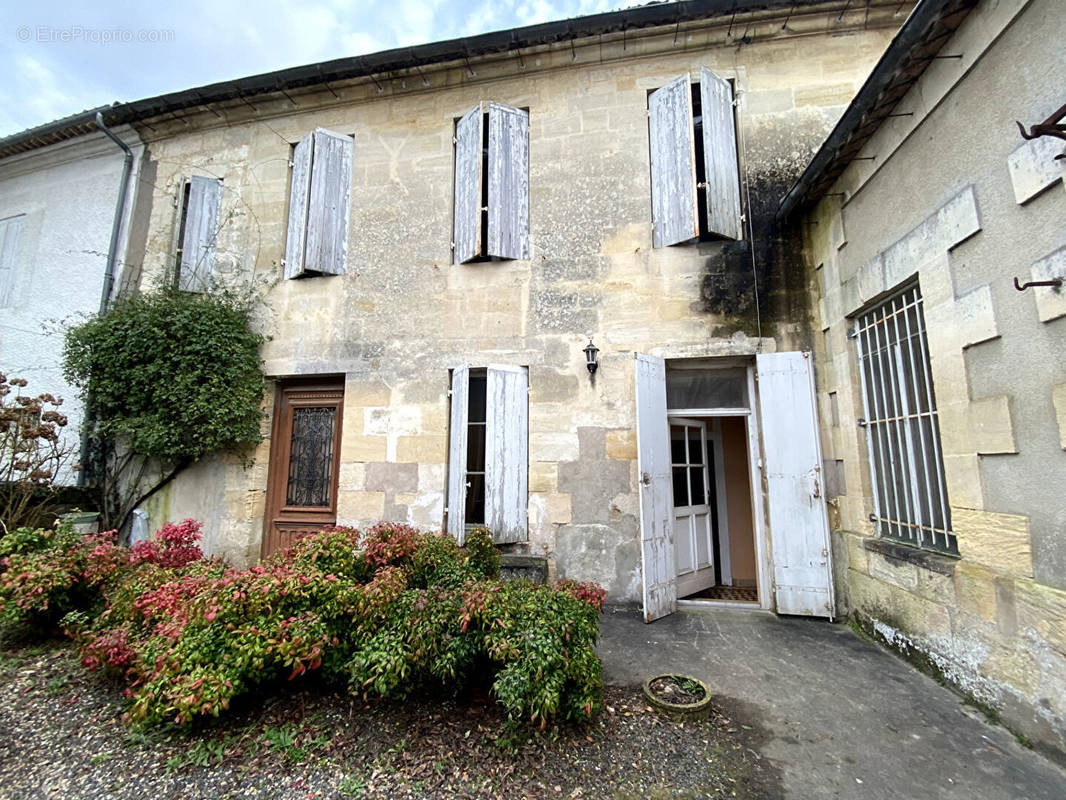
pixel 902 432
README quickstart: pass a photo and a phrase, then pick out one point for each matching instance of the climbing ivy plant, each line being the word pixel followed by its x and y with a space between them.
pixel 167 377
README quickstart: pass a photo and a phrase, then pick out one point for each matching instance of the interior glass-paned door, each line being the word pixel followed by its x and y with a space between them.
pixel 694 506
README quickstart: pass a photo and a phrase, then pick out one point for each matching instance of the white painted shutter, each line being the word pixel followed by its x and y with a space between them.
pixel 200 234
pixel 508 234
pixel 10 231
pixel 466 226
pixel 720 156
pixel 799 526
pixel 329 207
pixel 457 453
pixel 656 491
pixel 673 164
pixel 506 453
pixel 299 196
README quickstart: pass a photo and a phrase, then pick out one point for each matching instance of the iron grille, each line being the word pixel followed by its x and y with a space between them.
pixel 902 431
pixel 311 457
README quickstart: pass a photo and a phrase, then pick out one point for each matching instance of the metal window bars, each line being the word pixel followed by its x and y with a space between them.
pixel 902 431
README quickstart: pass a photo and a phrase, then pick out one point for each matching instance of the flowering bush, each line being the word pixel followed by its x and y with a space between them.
pixel 385 611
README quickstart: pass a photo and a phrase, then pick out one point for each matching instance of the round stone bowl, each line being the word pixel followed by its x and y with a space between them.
pixel 678 696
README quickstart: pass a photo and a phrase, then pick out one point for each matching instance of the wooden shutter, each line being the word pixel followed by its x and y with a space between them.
pixel 200 232
pixel 466 226
pixel 508 182
pixel 299 195
pixel 720 156
pixel 10 230
pixel 673 164
pixel 506 453
pixel 329 207
pixel 799 525
pixel 658 567
pixel 457 453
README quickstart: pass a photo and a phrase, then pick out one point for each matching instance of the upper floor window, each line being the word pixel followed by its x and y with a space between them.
pixel 316 241
pixel 196 232
pixel 491 211
pixel 10 233
pixel 695 178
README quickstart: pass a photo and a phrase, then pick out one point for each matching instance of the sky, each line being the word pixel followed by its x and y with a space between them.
pixel 61 57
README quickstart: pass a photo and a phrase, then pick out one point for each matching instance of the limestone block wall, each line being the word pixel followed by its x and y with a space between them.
pixel 403 315
pixel 957 198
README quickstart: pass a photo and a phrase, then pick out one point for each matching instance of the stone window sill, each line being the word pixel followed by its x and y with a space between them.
pixel 940 563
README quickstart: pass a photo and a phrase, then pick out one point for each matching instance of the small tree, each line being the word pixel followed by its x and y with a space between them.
pixel 33 453
pixel 167 377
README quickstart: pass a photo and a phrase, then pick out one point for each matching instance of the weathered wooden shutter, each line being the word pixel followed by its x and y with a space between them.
pixel 329 208
pixel 506 453
pixel 720 156
pixel 299 195
pixel 466 225
pixel 200 234
pixel 799 525
pixel 508 179
pixel 658 568
pixel 10 230
pixel 673 164
pixel 457 453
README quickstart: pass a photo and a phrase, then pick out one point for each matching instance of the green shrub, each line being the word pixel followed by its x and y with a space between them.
pixel 386 612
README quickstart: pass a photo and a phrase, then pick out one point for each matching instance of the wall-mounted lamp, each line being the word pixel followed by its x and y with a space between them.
pixel 590 357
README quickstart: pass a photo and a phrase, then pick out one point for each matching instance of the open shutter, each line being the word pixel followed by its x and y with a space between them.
pixel 10 229
pixel 799 526
pixel 720 156
pixel 508 182
pixel 506 453
pixel 656 491
pixel 330 203
pixel 466 226
pixel 673 164
pixel 200 233
pixel 299 196
pixel 457 453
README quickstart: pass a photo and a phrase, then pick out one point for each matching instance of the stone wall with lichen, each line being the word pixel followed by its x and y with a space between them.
pixel 403 314
pixel 957 199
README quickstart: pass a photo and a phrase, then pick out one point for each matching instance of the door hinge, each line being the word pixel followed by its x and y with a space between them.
pixel 862 422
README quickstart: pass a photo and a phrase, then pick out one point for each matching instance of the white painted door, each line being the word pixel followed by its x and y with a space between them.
pixel 799 526
pixel 693 499
pixel 656 501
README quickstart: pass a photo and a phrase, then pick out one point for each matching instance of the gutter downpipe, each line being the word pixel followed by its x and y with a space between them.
pixel 112 254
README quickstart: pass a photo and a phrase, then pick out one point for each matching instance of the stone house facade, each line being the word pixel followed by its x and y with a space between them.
pixel 433 238
pixel 941 385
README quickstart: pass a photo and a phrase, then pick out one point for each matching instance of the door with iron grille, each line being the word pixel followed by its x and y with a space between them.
pixel 304 460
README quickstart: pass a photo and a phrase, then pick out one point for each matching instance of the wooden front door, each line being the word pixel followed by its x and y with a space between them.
pixel 304 461
pixel 695 504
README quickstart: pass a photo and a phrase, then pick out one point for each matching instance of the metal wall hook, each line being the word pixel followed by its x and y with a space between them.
pixel 1021 287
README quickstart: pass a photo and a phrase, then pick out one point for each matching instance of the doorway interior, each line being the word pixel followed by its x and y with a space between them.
pixel 715 533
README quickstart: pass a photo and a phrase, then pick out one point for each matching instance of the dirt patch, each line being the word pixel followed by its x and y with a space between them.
pixel 62 736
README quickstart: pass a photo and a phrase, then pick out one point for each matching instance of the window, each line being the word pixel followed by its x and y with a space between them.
pixel 488 452
pixel 316 242
pixel 197 232
pixel 491 212
pixel 902 433
pixel 695 180
pixel 10 233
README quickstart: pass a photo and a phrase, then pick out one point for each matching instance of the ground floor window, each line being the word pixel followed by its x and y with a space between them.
pixel 488 452
pixel 902 430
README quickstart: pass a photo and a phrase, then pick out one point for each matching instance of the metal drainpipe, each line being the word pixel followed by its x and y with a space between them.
pixel 112 254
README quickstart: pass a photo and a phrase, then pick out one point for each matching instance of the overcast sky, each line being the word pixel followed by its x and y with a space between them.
pixel 58 58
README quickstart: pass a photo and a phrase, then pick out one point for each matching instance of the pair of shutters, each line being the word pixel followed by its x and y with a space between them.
pixel 199 231
pixel 675 209
pixel 507 168
pixel 506 453
pixel 319 205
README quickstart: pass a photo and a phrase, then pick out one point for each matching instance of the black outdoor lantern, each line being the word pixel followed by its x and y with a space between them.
pixel 590 357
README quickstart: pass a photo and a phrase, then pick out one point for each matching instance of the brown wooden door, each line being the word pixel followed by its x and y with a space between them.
pixel 304 461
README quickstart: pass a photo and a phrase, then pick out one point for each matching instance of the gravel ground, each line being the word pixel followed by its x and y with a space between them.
pixel 62 736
